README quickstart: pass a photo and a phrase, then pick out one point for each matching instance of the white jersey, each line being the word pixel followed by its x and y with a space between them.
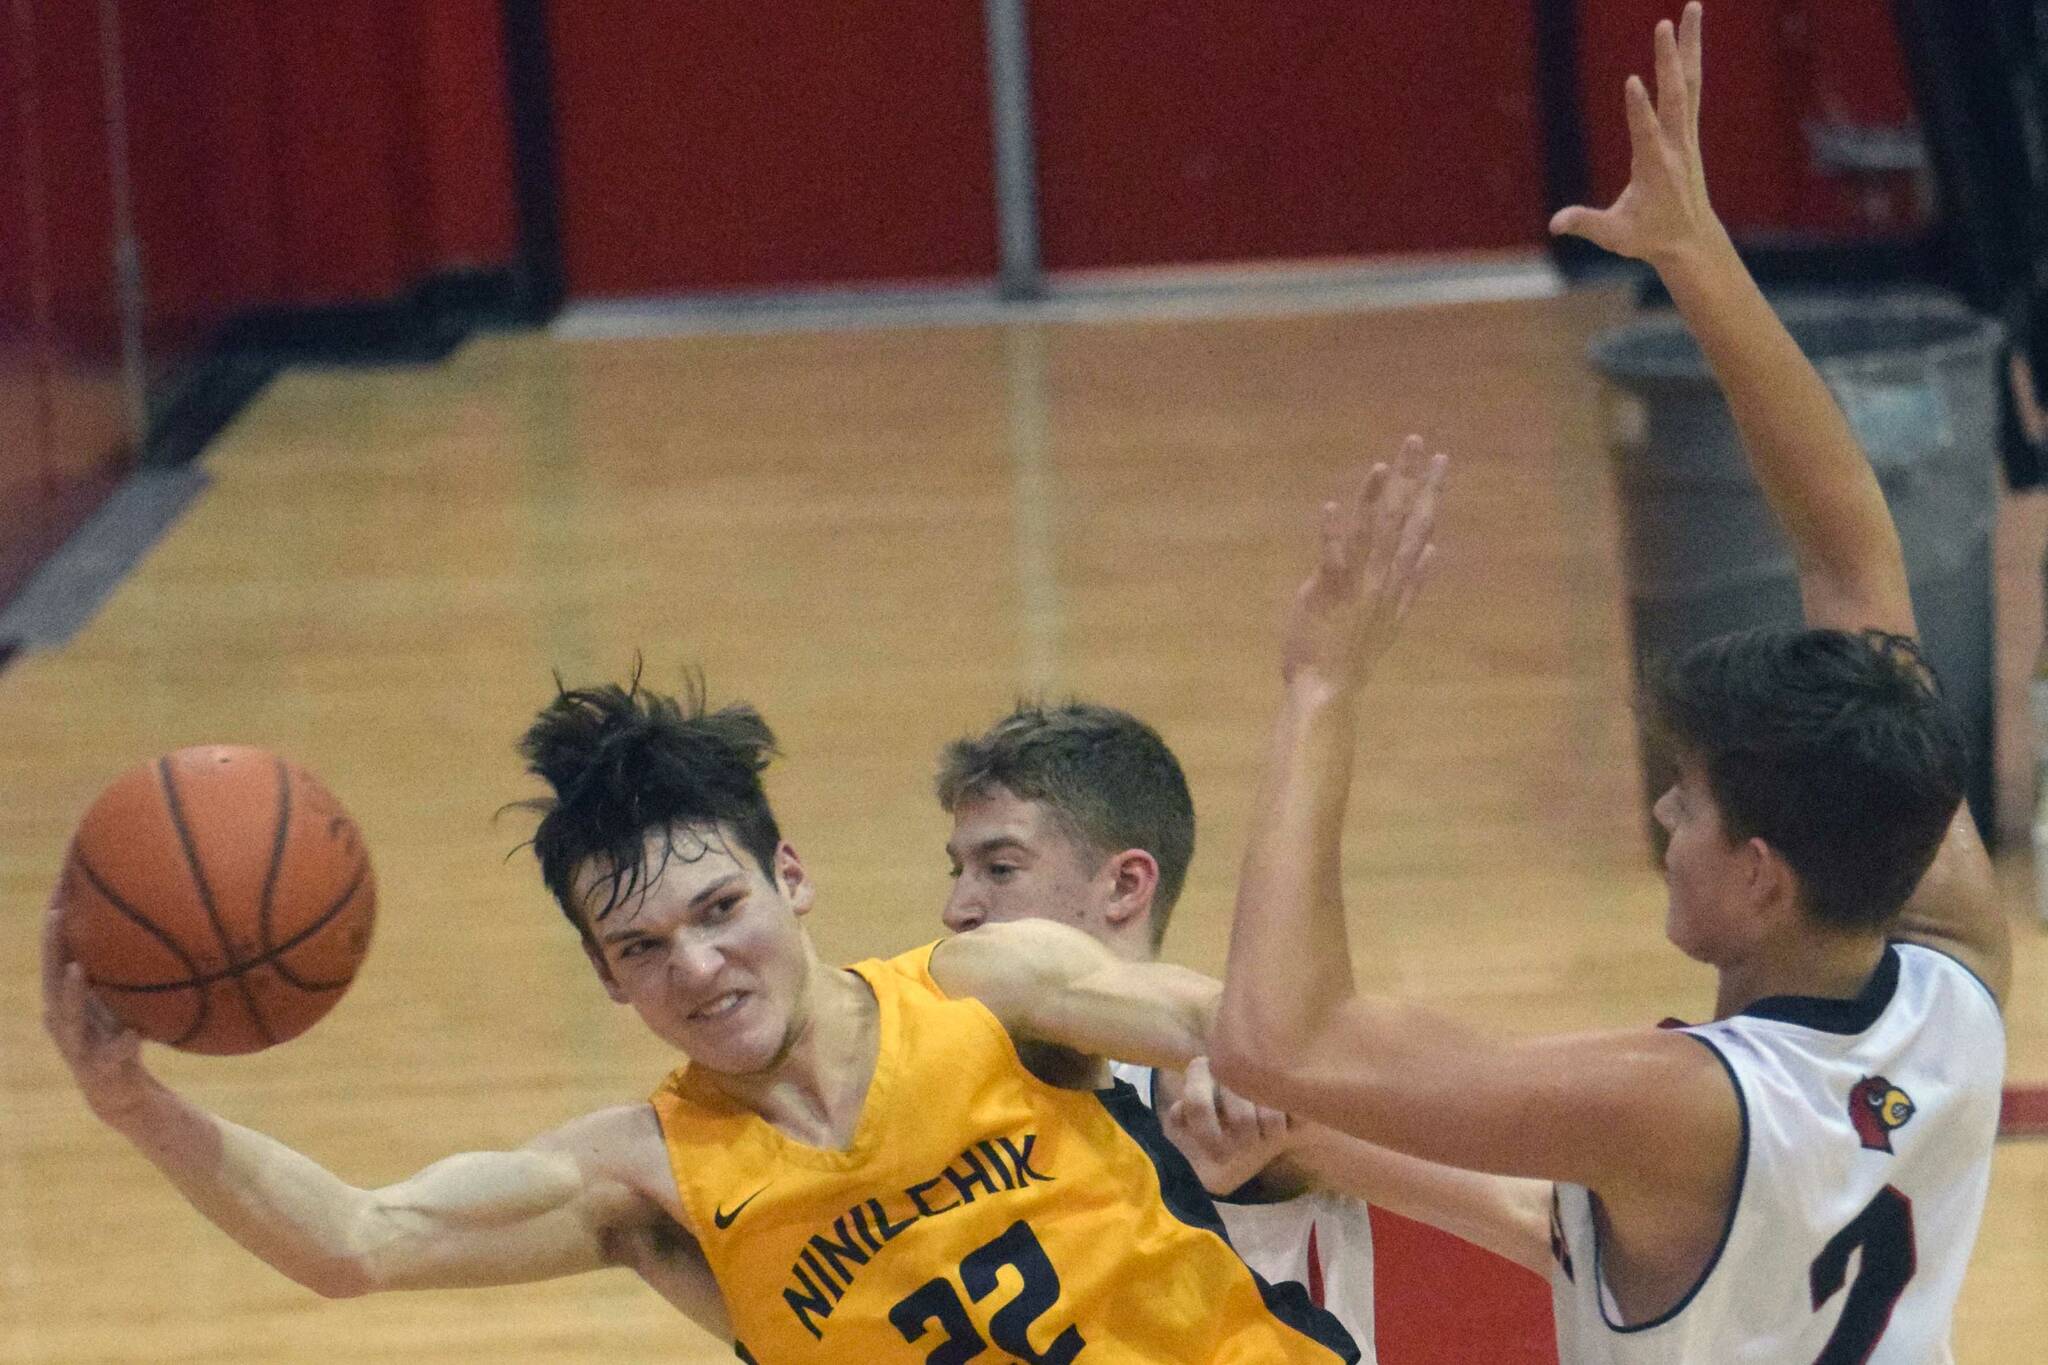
pixel 1319 1240
pixel 1867 1130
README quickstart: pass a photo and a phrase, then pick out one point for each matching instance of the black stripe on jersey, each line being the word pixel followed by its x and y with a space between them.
pixel 1727 1227
pixel 1185 1199
pixel 1836 1016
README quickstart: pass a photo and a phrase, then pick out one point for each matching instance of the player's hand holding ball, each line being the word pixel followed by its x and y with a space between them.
pixel 218 899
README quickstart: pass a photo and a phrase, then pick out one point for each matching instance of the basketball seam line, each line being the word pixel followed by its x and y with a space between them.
pixel 271 953
pixel 268 959
pixel 220 930
pixel 277 842
pixel 171 945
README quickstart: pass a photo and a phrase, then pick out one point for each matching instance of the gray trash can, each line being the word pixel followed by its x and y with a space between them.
pixel 1917 376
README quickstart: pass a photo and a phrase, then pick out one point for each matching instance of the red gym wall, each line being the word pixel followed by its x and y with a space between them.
pixel 732 144
pixel 282 153
pixel 308 153
pixel 1173 132
pixel 302 153
pixel 62 420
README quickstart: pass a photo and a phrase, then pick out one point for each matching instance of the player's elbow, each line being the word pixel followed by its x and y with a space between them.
pixel 334 1278
pixel 1231 1060
pixel 1249 1052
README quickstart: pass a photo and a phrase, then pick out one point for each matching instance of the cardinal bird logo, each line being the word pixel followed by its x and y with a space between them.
pixel 1876 1107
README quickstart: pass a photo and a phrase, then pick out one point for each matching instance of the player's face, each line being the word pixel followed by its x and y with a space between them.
pixel 1702 869
pixel 709 952
pixel 1011 860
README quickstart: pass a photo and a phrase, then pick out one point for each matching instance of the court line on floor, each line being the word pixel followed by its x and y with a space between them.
pixel 73 583
pixel 1092 297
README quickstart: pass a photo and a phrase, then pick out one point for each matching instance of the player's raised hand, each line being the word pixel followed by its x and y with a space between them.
pixel 1664 210
pixel 102 1052
pixel 1378 542
pixel 1225 1137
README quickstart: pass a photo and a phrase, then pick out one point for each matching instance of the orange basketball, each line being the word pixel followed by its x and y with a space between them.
pixel 219 899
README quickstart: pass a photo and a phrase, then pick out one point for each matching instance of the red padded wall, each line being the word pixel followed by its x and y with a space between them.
pixel 281 153
pixel 309 153
pixel 63 419
pixel 1174 132
pixel 728 143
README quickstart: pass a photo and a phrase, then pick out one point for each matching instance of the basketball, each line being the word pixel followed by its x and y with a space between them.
pixel 219 899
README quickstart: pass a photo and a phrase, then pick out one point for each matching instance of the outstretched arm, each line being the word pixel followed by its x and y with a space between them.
pixel 568 1202
pixel 1852 574
pixel 1228 1140
pixel 1812 469
pixel 1507 1215
pixel 1293 1031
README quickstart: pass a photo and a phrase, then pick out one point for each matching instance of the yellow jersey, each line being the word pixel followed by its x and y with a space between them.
pixel 978 1215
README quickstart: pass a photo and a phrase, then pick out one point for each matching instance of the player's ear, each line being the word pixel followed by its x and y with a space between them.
pixel 1134 880
pixel 792 880
pixel 1773 885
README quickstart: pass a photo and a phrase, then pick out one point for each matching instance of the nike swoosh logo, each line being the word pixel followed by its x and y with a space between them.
pixel 724 1219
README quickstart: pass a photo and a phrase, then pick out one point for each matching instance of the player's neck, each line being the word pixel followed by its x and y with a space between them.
pixel 816 1092
pixel 1812 963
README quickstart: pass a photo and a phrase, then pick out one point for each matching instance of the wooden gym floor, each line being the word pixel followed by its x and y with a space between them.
pixel 881 538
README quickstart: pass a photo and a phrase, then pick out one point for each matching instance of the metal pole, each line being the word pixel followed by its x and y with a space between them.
pixel 1020 276
pixel 128 277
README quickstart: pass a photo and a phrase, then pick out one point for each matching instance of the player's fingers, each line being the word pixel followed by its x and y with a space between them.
pixel 1333 547
pixel 1425 569
pixel 1689 59
pixel 1414 459
pixel 1420 525
pixel 66 1015
pixel 1198 1092
pixel 1238 1116
pixel 1198 1082
pixel 1643 130
pixel 1199 1123
pixel 56 952
pixel 1396 504
pixel 1410 468
pixel 1273 1124
pixel 1576 221
pixel 1598 226
pixel 1366 495
pixel 1358 503
pixel 1671 93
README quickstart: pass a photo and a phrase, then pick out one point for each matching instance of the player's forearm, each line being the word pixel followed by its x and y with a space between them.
pixel 282 1207
pixel 1504 1214
pixel 1290 957
pixel 1150 1013
pixel 1805 456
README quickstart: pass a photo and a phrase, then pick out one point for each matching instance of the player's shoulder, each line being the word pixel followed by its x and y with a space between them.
pixel 1671 1077
pixel 1939 962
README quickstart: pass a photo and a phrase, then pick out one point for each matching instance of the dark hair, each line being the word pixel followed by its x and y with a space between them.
pixel 627 761
pixel 1833 747
pixel 1106 776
